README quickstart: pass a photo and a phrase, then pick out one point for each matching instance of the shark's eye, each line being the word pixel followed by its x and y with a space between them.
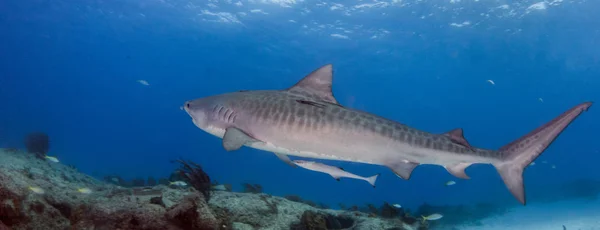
pixel 187 105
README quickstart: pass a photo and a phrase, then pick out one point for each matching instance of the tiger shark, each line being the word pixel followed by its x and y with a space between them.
pixel 307 121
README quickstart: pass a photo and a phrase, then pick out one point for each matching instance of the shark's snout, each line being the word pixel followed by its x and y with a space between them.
pixel 186 106
pixel 196 110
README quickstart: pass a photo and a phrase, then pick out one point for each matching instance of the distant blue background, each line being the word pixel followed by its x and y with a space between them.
pixel 69 68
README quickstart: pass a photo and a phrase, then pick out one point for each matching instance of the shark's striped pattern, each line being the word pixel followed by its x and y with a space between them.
pixel 307 121
pixel 291 113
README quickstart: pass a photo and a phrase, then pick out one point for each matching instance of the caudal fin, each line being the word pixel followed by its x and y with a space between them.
pixel 372 179
pixel 520 153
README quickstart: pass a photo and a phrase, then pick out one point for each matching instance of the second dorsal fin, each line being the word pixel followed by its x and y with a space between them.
pixel 456 136
pixel 316 85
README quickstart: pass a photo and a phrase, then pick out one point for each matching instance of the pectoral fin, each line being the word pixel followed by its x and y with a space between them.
pixel 403 169
pixel 335 177
pixel 234 139
pixel 285 159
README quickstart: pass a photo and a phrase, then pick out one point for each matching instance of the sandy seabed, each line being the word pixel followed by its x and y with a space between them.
pixel 581 214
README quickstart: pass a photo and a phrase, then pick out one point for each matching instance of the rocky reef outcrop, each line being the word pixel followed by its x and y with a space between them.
pixel 39 194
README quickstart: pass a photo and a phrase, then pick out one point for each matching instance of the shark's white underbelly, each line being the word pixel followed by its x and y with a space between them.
pixel 267 146
pixel 378 151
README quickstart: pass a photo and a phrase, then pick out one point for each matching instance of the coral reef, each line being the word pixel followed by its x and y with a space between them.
pixel 227 187
pixel 312 220
pixel 299 199
pixel 252 188
pixel 61 206
pixel 137 182
pixel 196 177
pixel 260 211
pixel 388 211
pixel 37 143
pixel 109 206
pixel 3 227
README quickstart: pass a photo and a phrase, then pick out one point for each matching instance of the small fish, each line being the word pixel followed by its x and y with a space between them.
pixel 335 172
pixel 544 162
pixel 532 164
pixel 435 216
pixel 541 99
pixel 53 159
pixel 553 166
pixel 221 187
pixel 36 190
pixel 84 190
pixel 114 179
pixel 491 82
pixel 143 82
pixel 397 206
pixel 450 182
pixel 178 183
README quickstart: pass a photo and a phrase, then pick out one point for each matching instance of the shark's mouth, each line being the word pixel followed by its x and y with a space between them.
pixel 196 123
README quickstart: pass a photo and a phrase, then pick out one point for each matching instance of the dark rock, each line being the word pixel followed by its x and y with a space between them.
pixel 388 211
pixel 37 207
pixel 321 221
pixel 192 213
pixel 294 198
pixel 157 200
pixel 10 211
pixel 63 207
pixel 3 227
pixel 223 216
pixel 311 221
pixel 252 188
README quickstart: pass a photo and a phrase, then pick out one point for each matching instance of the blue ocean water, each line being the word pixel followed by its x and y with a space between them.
pixel 497 69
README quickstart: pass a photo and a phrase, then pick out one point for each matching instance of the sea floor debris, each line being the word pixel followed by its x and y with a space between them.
pixel 109 206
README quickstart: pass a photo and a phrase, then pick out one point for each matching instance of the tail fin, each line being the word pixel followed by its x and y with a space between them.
pixel 520 153
pixel 372 179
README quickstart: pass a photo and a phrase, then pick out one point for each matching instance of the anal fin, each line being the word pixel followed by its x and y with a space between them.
pixel 403 169
pixel 234 139
pixel 458 170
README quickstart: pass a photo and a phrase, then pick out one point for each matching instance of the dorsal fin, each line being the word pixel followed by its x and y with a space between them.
pixel 316 85
pixel 456 136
